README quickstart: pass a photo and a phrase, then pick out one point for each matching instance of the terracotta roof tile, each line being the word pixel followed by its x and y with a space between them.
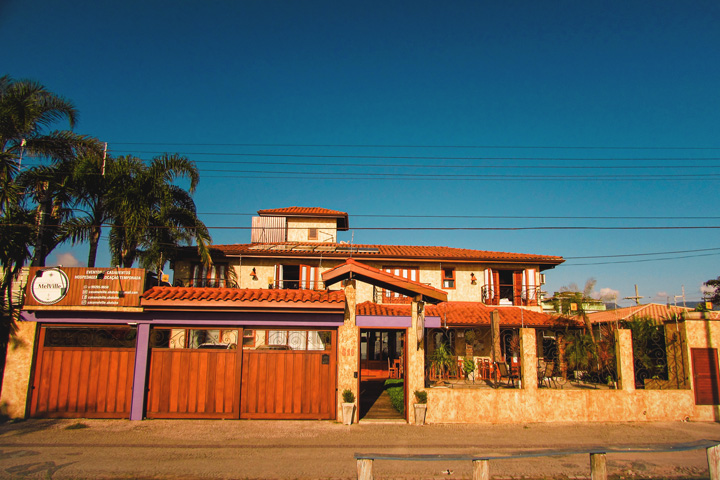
pixel 458 314
pixel 302 211
pixel 657 311
pixel 169 296
pixel 369 252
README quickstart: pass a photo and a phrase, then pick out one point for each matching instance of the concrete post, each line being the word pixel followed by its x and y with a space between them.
pixel 625 362
pixel 348 361
pixel 415 375
pixel 481 469
pixel 16 391
pixel 598 466
pixel 528 359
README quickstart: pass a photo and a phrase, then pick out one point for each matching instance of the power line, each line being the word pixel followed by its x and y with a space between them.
pixel 502 216
pixel 418 157
pixel 340 145
pixel 692 227
pixel 644 254
pixel 637 261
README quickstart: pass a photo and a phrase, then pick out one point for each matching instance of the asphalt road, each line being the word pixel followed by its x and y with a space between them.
pixel 184 449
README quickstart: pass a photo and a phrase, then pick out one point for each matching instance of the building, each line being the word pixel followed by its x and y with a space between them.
pixel 281 326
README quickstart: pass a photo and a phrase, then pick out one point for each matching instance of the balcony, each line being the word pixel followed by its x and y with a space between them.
pixel 504 294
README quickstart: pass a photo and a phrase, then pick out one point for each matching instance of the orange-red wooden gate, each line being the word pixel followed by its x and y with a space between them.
pixel 82 381
pixel 193 383
pixel 288 384
pixel 705 376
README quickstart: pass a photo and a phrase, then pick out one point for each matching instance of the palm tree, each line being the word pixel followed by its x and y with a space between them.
pixel 27 109
pixel 151 215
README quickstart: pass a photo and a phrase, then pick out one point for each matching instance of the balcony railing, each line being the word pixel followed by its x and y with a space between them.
pixel 510 295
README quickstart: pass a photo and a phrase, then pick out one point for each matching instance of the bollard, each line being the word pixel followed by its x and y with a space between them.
pixel 481 469
pixel 598 466
pixel 713 458
pixel 365 469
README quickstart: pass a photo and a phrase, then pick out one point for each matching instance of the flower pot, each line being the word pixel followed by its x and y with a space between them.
pixel 348 412
pixel 420 410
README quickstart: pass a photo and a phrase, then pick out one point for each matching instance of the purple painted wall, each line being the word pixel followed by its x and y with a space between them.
pixel 189 318
pixel 392 321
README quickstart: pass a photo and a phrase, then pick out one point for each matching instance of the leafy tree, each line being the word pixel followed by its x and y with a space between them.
pixel 715 296
pixel 151 216
pixel 27 111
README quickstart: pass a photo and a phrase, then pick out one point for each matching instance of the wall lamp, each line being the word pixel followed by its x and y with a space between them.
pixel 253 274
pixel 101 276
pixel 39 272
pixel 473 279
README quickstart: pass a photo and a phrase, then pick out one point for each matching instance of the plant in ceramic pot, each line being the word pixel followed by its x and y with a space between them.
pixel 420 406
pixel 348 406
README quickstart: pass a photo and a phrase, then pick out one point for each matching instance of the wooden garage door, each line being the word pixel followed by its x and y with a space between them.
pixel 194 373
pixel 84 372
pixel 289 375
pixel 705 376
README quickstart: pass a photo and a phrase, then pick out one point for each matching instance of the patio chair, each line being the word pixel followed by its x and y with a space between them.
pixel 392 370
pixel 505 373
pixel 545 374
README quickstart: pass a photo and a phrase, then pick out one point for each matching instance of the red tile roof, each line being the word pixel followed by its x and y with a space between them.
pixel 301 211
pixel 237 297
pixel 395 283
pixel 343 222
pixel 657 311
pixel 460 314
pixel 380 252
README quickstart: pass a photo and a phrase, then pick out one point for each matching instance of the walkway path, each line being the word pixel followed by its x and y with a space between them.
pixel 375 403
pixel 185 449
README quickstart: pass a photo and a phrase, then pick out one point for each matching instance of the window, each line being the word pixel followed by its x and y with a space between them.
pixel 297 277
pixel 213 276
pixel 193 338
pixel 448 278
pixel 248 339
pixel 410 273
pixel 313 340
pixel 312 233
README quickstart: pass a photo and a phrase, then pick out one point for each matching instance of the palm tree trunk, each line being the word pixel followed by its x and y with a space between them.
pixel 39 253
pixel 94 240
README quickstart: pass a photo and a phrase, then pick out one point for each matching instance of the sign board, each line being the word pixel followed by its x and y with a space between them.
pixel 96 288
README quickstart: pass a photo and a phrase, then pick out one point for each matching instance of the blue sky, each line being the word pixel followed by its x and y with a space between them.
pixel 417 111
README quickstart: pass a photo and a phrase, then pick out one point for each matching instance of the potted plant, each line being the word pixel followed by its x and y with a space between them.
pixel 420 406
pixel 348 406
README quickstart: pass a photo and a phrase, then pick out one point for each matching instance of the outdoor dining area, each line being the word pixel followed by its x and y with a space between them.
pixel 559 363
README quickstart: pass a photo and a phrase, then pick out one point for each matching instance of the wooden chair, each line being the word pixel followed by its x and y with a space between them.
pixel 392 370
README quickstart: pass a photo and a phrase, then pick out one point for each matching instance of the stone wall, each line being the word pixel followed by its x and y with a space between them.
pixel 18 368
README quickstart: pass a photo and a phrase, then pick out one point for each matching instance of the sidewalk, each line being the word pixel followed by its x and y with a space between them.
pixel 184 449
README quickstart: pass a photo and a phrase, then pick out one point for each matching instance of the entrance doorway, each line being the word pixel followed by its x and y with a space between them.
pixel 382 373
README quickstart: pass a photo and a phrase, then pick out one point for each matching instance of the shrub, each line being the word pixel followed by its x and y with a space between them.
pixel 396 390
pixel 348 396
pixel 421 396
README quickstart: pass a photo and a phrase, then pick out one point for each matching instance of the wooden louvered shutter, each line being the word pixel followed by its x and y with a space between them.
pixel 705 376
pixel 517 287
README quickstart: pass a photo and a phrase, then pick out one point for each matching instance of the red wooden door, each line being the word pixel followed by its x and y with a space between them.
pixel 705 376
pixel 83 382
pixel 288 384
pixel 193 383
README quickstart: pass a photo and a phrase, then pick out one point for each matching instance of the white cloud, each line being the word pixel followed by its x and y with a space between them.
pixel 661 296
pixel 608 294
pixel 67 260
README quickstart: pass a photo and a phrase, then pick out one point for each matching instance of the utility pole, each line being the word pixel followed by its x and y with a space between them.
pixel 637 296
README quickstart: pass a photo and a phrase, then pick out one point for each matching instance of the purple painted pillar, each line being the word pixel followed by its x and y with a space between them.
pixel 137 406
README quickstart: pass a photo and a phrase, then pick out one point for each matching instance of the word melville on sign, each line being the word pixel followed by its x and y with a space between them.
pixel 84 288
